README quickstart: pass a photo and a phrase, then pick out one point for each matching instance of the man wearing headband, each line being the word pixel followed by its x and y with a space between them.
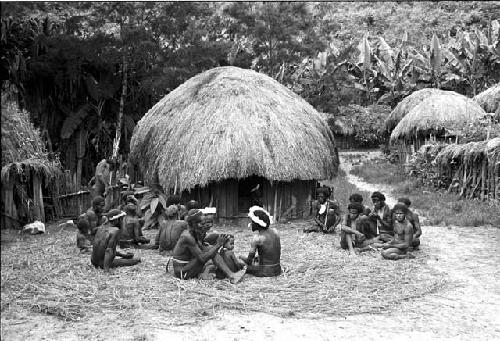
pixel 94 216
pixel 191 259
pixel 326 212
pixel 170 229
pixel 106 239
pixel 266 245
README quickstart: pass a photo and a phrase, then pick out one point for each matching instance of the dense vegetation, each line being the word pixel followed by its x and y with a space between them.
pixel 89 71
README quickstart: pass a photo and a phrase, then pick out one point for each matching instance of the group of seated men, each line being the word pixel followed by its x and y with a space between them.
pixel 396 231
pixel 184 231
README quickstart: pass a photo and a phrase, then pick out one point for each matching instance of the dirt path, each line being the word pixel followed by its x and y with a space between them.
pixel 467 308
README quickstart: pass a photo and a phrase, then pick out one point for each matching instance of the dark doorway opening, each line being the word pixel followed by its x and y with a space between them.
pixel 247 197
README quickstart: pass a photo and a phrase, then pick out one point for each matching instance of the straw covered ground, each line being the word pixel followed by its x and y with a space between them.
pixel 45 273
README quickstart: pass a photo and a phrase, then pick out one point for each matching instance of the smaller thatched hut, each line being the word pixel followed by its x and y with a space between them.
pixel 344 132
pixel 25 168
pixel 489 100
pixel 408 103
pixel 476 166
pixel 437 118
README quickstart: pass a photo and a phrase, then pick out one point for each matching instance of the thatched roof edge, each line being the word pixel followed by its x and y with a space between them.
pixel 471 151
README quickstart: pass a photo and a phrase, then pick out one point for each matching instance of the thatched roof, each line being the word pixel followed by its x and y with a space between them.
pixel 471 151
pixel 439 111
pixel 408 103
pixel 489 99
pixel 22 146
pixel 229 122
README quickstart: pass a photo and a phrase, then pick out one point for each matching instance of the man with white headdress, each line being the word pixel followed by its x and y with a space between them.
pixel 265 245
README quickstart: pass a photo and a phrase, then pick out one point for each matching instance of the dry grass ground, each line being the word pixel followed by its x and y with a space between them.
pixel 45 273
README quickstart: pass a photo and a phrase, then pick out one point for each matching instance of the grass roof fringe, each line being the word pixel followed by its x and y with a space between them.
pixel 408 103
pixel 489 99
pixel 471 151
pixel 22 147
pixel 450 111
pixel 229 122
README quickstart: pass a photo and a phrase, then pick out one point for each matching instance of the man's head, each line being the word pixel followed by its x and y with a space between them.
pixel 355 209
pixel 207 221
pixel 229 245
pixel 400 210
pixel 405 201
pixel 260 219
pixel 194 219
pixel 378 200
pixel 356 197
pixel 115 217
pixel 171 211
pixel 323 193
pixel 131 209
pixel 98 204
pixel 192 204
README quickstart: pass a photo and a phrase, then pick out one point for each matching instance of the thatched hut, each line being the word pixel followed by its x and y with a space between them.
pixel 226 130
pixel 489 100
pixel 437 118
pixel 475 166
pixel 25 168
pixel 408 103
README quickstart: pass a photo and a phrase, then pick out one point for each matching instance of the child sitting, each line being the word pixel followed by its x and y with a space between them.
pixel 227 253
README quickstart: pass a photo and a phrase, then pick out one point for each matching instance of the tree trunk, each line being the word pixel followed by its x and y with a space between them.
pixel 116 141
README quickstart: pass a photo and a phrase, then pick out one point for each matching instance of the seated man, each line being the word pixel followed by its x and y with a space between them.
pixel 379 221
pixel 326 213
pixel 170 229
pixel 191 258
pixel 105 242
pixel 131 229
pixel 94 216
pixel 358 198
pixel 398 247
pixel 350 230
pixel 414 220
pixel 266 244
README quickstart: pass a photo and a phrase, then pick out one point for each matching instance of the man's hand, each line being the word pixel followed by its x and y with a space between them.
pixel 221 239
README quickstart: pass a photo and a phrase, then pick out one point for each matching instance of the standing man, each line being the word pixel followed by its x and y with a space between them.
pixel 266 244
pixel 105 242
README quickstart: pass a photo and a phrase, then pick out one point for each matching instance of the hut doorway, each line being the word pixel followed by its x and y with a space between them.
pixel 250 192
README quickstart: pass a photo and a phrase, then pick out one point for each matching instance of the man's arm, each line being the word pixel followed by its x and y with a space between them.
pixel 256 241
pixel 416 226
pixel 349 230
pixel 203 255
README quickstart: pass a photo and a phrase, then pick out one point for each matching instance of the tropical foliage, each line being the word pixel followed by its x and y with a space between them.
pixel 87 71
